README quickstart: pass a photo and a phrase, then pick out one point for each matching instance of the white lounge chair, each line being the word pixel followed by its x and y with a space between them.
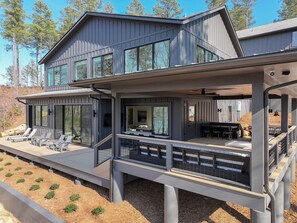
pixel 64 145
pixel 57 142
pixel 25 138
pixel 36 138
pixel 44 141
pixel 26 133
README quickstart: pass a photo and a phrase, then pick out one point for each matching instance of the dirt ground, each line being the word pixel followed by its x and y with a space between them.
pixel 143 201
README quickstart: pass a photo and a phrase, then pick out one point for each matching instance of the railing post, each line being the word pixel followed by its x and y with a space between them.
pixel 169 156
pixel 294 115
pixel 95 156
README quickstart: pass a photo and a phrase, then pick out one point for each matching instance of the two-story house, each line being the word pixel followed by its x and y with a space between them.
pixel 153 83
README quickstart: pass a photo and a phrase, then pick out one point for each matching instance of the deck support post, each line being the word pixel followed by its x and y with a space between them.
pixel 287 189
pixel 260 217
pixel 257 155
pixel 279 200
pixel 293 169
pixel 170 204
pixel 118 186
pixel 285 116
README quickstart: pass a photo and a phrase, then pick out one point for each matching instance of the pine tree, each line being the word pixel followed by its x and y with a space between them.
pixel 74 10
pixel 9 76
pixel 14 30
pixel 167 9
pixel 242 14
pixel 42 33
pixel 135 8
pixel 30 74
pixel 288 10
pixel 215 3
pixel 108 8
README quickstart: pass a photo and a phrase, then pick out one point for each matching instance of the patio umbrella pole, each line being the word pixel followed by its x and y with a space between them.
pixel 266 147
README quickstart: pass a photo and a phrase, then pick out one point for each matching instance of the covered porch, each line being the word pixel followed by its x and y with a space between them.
pixel 253 176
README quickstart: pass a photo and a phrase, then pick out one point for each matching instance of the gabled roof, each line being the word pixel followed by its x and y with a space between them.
pixel 267 29
pixel 87 15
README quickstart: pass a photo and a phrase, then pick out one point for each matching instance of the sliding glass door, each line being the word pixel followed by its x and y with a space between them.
pixel 75 120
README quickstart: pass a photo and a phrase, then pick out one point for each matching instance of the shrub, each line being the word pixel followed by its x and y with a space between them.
pixel 14 133
pixel 38 180
pixel 7 164
pixel 49 195
pixel 70 208
pixel 20 181
pixel 1 159
pixel 16 110
pixel 34 187
pixel 1 135
pixel 18 168
pixel 1 169
pixel 54 186
pixel 74 197
pixel 9 175
pixel 98 211
pixel 28 173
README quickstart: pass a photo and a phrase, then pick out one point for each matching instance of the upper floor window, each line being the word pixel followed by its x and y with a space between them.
pixel 102 65
pixel 147 57
pixel 204 55
pixel 294 39
pixel 81 70
pixel 57 75
pixel 40 115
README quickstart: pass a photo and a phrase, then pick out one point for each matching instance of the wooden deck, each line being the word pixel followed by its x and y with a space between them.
pixel 78 161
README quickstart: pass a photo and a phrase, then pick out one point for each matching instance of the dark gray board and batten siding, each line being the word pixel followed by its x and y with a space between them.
pixel 98 36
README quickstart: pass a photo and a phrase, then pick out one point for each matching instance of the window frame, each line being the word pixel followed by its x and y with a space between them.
pixel 294 40
pixel 41 124
pixel 153 56
pixel 101 62
pixel 60 68
pixel 75 74
pixel 205 53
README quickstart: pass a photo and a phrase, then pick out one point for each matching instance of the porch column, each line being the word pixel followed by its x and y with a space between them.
pixel 294 111
pixel 257 155
pixel 117 178
pixel 279 203
pixel 285 116
pixel 293 168
pixel 170 204
pixel 260 217
pixel 287 189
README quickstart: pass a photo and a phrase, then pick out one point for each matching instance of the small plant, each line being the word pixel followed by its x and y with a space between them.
pixel 9 175
pixel 1 159
pixel 98 211
pixel 1 135
pixel 20 181
pixel 34 187
pixel 18 168
pixel 54 186
pixel 49 195
pixel 14 133
pixel 1 169
pixel 74 197
pixel 70 208
pixel 7 164
pixel 28 173
pixel 38 180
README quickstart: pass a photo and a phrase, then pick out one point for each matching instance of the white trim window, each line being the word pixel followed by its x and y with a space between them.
pixel 81 70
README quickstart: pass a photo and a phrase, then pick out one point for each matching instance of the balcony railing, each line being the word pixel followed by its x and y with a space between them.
pixel 279 146
pixel 219 162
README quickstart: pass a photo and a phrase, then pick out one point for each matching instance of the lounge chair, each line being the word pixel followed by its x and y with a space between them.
pixel 44 141
pixel 36 138
pixel 57 142
pixel 25 138
pixel 64 145
pixel 26 133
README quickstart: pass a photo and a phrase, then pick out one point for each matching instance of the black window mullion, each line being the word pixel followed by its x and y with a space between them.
pixel 153 56
pixel 102 69
pixel 137 58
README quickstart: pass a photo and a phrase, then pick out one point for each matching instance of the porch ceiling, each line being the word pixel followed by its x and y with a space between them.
pixel 237 73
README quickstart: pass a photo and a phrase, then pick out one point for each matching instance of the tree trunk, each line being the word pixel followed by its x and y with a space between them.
pixel 18 67
pixel 37 67
pixel 14 64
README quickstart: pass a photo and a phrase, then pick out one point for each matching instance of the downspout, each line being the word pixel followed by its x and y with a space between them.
pixel 266 146
pixel 19 100
pixel 113 139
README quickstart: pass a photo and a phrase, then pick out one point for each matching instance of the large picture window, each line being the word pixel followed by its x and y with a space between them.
pixel 41 115
pixel 81 70
pixel 147 57
pixel 204 55
pixel 148 120
pixel 57 75
pixel 294 39
pixel 102 65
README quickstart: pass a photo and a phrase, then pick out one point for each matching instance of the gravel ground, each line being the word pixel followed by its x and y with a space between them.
pixel 6 217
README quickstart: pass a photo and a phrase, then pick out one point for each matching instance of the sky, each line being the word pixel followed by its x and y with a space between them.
pixel 265 11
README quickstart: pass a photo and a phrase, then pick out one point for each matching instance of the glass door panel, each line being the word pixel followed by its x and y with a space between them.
pixel 86 124
pixel 76 124
pixel 58 121
pixel 68 120
pixel 160 120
